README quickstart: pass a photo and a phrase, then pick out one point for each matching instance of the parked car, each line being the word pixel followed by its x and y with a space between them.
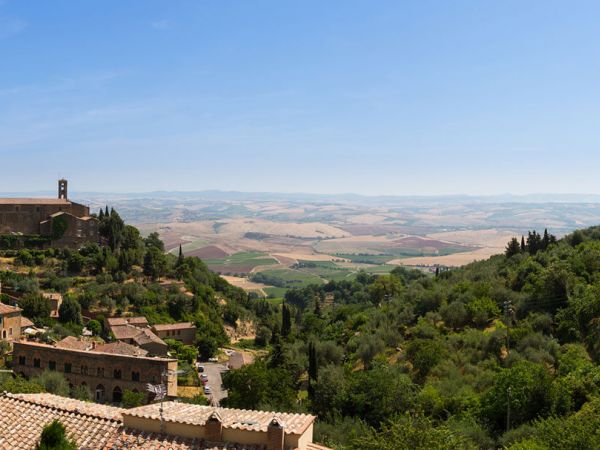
pixel 200 368
pixel 207 390
pixel 213 360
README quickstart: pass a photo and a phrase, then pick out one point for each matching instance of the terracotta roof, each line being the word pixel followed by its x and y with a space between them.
pixel 7 309
pixel 231 418
pixel 173 326
pixel 120 348
pixel 69 404
pixel 73 343
pixel 26 323
pixel 125 331
pixel 141 336
pixel 112 321
pixel 34 201
pixel 100 427
pixel 23 418
pixel 108 349
pixel 146 336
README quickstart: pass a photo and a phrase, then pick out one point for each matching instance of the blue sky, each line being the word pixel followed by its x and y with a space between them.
pixel 372 97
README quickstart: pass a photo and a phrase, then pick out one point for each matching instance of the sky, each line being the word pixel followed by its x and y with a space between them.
pixel 371 97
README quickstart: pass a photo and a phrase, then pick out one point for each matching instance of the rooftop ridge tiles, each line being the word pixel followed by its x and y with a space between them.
pixel 38 405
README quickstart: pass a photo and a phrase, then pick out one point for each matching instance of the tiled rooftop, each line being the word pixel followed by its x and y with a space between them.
pixel 173 326
pixel 242 419
pixel 75 344
pixel 22 420
pixel 120 348
pixel 114 348
pixel 7 309
pixel 112 321
pixel 100 427
pixel 34 201
pixel 126 331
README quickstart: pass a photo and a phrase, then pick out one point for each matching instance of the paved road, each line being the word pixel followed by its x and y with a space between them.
pixel 214 372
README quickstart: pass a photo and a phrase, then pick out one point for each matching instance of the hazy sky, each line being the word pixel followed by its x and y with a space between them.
pixel 373 97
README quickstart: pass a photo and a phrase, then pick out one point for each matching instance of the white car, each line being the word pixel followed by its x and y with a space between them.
pixel 207 390
pixel 204 376
pixel 213 360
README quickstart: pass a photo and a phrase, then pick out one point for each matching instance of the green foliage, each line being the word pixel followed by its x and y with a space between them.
pixel 35 306
pixel 53 382
pixel 19 385
pixel 54 437
pixel 70 311
pixel 133 399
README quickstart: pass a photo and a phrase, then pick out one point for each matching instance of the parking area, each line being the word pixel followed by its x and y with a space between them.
pixel 214 371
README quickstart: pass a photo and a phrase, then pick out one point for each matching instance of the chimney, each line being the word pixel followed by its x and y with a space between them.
pixel 62 188
pixel 214 428
pixel 275 434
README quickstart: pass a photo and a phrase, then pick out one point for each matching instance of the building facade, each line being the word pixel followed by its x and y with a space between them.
pixel 65 222
pixel 107 375
pixel 184 332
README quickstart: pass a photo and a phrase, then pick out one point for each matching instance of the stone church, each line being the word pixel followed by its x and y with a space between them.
pixel 63 222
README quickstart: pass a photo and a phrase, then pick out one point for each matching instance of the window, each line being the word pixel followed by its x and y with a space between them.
pixel 52 365
pixel 84 370
pixel 21 360
pixel 67 367
pixel 117 374
pixel 135 376
pixel 100 371
pixel 37 362
pixel 10 331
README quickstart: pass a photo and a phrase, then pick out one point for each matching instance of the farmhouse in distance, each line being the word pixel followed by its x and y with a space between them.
pixel 44 221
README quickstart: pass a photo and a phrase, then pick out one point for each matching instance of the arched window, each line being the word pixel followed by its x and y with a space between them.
pixel 117 395
pixel 100 393
pixel 3 334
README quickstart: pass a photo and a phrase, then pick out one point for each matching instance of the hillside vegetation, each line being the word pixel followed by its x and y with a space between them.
pixel 500 353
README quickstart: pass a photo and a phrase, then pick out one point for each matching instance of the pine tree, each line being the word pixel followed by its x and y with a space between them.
pixel 513 248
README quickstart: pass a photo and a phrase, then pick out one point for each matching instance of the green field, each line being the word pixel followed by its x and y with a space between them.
pixel 242 262
pixel 289 278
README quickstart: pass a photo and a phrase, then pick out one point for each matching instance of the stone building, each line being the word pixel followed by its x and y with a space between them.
pixel 106 371
pixel 183 331
pixel 10 322
pixel 63 222
pixel 136 331
pixel 183 427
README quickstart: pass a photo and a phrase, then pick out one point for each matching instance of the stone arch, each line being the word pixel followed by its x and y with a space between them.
pixel 117 395
pixel 100 393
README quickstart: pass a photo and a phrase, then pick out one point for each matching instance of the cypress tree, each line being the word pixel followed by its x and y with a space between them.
pixel 101 214
pixel 180 257
pixel 512 248
pixel 286 321
pixel 313 369
pixel 523 247
pixel 106 211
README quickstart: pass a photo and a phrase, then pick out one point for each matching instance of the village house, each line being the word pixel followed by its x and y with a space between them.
pixel 63 222
pixel 179 427
pixel 183 331
pixel 107 370
pixel 55 299
pixel 10 322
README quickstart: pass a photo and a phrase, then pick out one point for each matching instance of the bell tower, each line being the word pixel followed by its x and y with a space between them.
pixel 62 188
